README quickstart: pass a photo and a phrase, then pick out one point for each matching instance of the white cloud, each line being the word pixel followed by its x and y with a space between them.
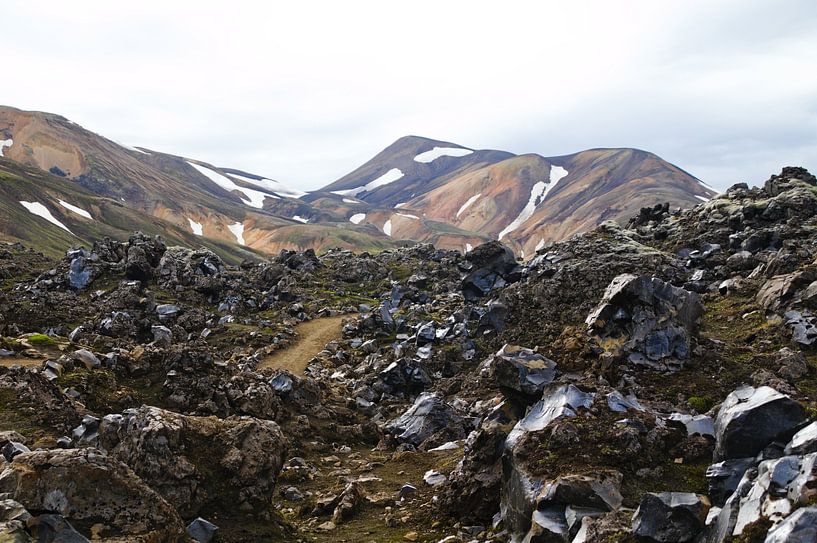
pixel 304 93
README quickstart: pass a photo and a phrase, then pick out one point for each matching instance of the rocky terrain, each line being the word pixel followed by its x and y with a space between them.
pixel 63 185
pixel 654 381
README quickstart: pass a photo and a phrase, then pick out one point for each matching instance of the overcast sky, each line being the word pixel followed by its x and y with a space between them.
pixel 306 91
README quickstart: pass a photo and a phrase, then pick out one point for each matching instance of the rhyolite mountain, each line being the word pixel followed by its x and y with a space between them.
pixel 415 190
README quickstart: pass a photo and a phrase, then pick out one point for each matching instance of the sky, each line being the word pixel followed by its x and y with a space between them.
pixel 304 92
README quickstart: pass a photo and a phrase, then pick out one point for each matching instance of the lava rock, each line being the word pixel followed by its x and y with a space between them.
pixel 523 370
pixel 202 531
pixel 670 517
pixel 428 415
pixel 751 418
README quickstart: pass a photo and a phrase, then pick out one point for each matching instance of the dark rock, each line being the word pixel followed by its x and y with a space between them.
pixel 751 418
pixel 799 527
pixel 724 477
pixel 202 531
pixel 670 517
pixel 47 528
pixel 655 320
pixel 523 370
pixel 429 415
pixel 804 441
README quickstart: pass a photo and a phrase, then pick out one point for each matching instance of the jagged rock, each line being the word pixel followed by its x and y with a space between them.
pixel 178 456
pixel 143 254
pixel 788 178
pixel 87 432
pixel 434 478
pixel 162 335
pixel 670 517
pixel 202 531
pixel 647 319
pixel 799 527
pixel 87 358
pixel 348 502
pixel 494 266
pixel 725 476
pixel 79 274
pixel 427 417
pixel 776 488
pixel 803 327
pixel 86 486
pixel 54 528
pixel 697 424
pixel 751 418
pixel 562 504
pixel 779 290
pixel 472 492
pixel 519 489
pixel 12 449
pixel 523 370
pixel 792 365
pixel 621 404
pixel 804 441
pixel 557 401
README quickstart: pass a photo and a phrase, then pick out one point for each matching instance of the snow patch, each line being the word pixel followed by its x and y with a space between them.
pixel 437 152
pixel 540 244
pixel 299 219
pixel 238 231
pixel 557 173
pixel 271 185
pixel 401 204
pixel 468 203
pixel 389 177
pixel 196 227
pixel 468 247
pixel 75 209
pixel 5 143
pixel 387 228
pixel 408 216
pixel 702 198
pixel 350 201
pixel 41 211
pixel 131 148
pixel 255 197
pixel 536 195
pixel 357 218
pixel 707 187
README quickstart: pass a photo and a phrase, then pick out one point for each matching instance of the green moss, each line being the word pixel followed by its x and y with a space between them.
pixel 41 340
pixel 701 404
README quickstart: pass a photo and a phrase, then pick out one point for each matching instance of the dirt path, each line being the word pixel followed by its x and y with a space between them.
pixel 312 338
pixel 22 361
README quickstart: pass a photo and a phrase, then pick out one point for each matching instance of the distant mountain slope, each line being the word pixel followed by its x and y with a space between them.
pixel 415 190
pixel 409 167
pixel 230 206
pixel 525 201
pixel 50 213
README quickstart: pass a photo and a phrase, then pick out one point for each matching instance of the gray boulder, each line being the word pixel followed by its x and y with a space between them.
pixel 429 415
pixel 752 418
pixel 178 455
pixel 523 370
pixel 799 527
pixel 202 531
pixel 646 319
pixel 804 441
pixel 670 517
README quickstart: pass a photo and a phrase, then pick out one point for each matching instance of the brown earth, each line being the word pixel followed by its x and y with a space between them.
pixel 312 337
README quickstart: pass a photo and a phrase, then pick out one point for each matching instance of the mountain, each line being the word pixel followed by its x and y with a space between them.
pixel 228 206
pixel 415 190
pixel 525 200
